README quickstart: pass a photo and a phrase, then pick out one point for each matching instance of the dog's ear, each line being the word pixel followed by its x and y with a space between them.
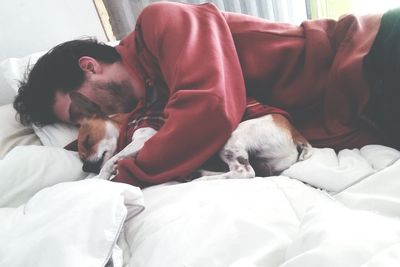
pixel 82 107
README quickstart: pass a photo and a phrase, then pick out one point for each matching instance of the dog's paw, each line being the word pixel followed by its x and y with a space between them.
pixel 109 169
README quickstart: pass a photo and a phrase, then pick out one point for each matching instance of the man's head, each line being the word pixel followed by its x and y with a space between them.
pixel 87 66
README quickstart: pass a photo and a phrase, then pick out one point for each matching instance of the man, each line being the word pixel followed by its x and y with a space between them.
pixel 200 64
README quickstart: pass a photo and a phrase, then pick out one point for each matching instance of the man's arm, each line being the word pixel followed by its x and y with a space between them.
pixel 197 57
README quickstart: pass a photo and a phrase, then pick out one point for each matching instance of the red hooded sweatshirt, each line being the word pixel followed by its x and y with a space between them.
pixel 202 63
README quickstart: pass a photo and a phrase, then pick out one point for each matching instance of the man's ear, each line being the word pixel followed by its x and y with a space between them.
pixel 82 107
pixel 89 65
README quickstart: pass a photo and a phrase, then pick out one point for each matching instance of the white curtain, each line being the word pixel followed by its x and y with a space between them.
pixel 123 13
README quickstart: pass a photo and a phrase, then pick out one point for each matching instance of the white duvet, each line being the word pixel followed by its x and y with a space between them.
pixel 51 218
pixel 69 224
pixel 336 172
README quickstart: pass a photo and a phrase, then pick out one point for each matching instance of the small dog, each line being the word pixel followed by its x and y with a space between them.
pixel 264 146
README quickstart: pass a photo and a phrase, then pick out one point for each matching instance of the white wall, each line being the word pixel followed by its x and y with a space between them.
pixel 28 26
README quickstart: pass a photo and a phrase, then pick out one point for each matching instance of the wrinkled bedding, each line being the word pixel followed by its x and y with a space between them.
pixel 345 204
pixel 337 172
pixel 69 224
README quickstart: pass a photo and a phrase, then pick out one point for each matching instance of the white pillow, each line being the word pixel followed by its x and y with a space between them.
pixel 27 169
pixel 7 93
pixel 56 134
pixel 332 235
pixel 12 132
pixel 12 70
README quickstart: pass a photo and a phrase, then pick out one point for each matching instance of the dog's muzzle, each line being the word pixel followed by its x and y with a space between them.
pixel 89 166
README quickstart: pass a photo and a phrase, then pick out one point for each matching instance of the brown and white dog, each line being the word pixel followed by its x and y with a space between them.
pixel 271 141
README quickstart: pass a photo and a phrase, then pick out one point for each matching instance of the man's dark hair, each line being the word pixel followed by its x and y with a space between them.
pixel 57 70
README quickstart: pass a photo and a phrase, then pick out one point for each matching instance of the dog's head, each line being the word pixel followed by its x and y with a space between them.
pixel 98 134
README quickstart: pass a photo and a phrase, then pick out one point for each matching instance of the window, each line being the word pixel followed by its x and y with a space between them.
pixel 335 8
pixel 119 16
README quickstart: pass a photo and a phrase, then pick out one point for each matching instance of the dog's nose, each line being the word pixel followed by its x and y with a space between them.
pixel 89 166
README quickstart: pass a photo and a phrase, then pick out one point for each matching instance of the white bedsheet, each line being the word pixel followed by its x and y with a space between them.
pixel 331 235
pixel 275 221
pixel 218 223
pixel 380 192
pixel 259 222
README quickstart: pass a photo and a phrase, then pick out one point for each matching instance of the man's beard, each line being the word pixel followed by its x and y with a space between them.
pixel 115 97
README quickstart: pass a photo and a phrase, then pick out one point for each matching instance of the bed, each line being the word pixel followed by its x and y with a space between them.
pixel 334 209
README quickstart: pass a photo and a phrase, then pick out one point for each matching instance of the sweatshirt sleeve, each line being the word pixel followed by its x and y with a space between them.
pixel 196 54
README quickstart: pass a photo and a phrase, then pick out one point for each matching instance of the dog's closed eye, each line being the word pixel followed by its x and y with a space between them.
pixel 87 143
